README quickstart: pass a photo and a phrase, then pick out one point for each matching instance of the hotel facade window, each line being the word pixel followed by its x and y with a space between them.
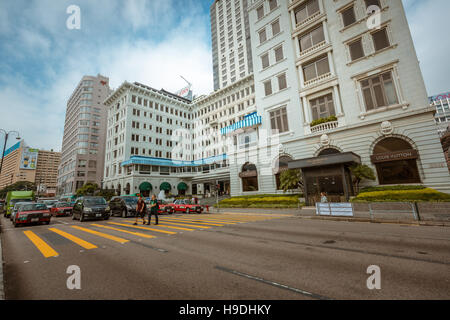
pixel 322 107
pixel 306 10
pixel 276 28
pixel 279 121
pixel 316 68
pixel 312 38
pixel 396 162
pixel 379 91
pixel 380 39
pixel 348 16
pixel 356 49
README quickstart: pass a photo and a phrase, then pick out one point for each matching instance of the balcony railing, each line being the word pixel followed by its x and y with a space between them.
pixel 318 79
pixel 327 126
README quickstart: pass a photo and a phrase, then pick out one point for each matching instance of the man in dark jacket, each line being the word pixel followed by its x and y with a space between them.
pixel 141 210
pixel 154 207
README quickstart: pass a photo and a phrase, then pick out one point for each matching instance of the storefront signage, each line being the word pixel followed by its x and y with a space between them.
pixel 394 156
pixel 334 209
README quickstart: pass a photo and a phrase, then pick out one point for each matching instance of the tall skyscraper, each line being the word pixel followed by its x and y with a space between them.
pixel 231 47
pixel 83 148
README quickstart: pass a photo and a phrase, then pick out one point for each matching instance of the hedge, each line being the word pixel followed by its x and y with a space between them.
pixel 261 201
pixel 419 195
pixel 391 188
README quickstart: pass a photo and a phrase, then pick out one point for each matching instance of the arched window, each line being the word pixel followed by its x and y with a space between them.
pixel 249 176
pixel 282 165
pixel 119 190
pixel 128 189
pixel 396 162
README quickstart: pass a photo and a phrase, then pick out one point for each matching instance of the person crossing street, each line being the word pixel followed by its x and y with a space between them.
pixel 141 209
pixel 154 207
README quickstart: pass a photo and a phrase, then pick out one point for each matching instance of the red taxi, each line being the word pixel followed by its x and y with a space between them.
pixel 61 209
pixel 32 213
pixel 186 206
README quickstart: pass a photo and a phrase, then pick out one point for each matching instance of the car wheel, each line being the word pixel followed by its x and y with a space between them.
pixel 188 211
pixel 107 218
pixel 124 213
pixel 47 222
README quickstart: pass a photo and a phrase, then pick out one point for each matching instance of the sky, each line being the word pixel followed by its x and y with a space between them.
pixel 148 41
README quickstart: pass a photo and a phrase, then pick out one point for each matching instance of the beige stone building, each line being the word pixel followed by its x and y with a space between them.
pixel 47 172
pixel 13 169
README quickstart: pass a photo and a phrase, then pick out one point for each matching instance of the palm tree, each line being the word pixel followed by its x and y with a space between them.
pixel 291 179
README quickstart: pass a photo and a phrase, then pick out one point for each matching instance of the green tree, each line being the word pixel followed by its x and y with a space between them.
pixel 291 179
pixel 87 190
pixel 107 194
pixel 362 172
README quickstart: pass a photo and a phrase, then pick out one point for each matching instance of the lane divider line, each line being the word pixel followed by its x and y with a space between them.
pixel 103 235
pixel 41 245
pixel 78 241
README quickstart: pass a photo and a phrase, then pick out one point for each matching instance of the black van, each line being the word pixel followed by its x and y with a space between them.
pixel 91 208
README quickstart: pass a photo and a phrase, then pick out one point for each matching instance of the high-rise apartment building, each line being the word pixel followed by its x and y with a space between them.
pixel 442 117
pixel 83 147
pixel 231 49
pixel 47 172
pixel 19 164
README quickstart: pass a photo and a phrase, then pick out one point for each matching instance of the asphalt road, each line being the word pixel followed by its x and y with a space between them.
pixel 226 256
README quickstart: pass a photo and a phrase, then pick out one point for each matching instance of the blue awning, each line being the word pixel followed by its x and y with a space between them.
pixel 249 121
pixel 172 163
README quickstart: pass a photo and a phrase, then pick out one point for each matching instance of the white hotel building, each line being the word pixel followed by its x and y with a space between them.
pixel 332 86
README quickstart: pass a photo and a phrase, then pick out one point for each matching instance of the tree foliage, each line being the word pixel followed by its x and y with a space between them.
pixel 291 179
pixel 88 189
pixel 362 172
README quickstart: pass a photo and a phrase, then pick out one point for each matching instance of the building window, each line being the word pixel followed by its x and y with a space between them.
pixel 396 162
pixel 348 16
pixel 272 4
pixel 306 10
pixel 276 28
pixel 268 87
pixel 380 39
pixel 279 54
pixel 249 176
pixel 282 83
pixel 356 49
pixel 265 60
pixel 262 36
pixel 322 107
pixel 372 3
pixel 260 12
pixel 312 38
pixel 316 68
pixel 379 91
pixel 279 120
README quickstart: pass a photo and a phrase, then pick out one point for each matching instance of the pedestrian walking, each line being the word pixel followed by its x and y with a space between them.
pixel 154 207
pixel 323 197
pixel 141 209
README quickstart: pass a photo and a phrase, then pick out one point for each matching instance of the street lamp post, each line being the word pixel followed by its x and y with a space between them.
pixel 7 134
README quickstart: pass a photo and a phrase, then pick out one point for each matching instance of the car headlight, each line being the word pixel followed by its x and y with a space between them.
pixel 87 210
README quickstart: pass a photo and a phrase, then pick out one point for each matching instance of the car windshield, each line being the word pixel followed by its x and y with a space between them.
pixel 62 204
pixel 14 201
pixel 95 201
pixel 33 207
pixel 131 201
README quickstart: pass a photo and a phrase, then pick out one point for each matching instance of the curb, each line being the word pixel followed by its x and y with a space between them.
pixel 409 222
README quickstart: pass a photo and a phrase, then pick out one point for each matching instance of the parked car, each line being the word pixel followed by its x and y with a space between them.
pixel 186 206
pixel 123 206
pixel 15 209
pixel 31 213
pixel 61 209
pixel 90 208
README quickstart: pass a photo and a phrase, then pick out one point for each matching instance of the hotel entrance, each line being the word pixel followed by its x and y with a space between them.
pixel 329 173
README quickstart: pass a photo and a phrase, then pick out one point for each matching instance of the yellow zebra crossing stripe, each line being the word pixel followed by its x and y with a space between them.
pixel 103 235
pixel 165 222
pixel 196 221
pixel 80 242
pixel 41 245
pixel 143 235
pixel 142 228
pixel 170 227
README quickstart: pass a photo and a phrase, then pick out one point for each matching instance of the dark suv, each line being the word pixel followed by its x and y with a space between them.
pixel 123 206
pixel 91 208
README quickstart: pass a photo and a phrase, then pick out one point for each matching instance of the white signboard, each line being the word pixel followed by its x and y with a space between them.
pixel 334 209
